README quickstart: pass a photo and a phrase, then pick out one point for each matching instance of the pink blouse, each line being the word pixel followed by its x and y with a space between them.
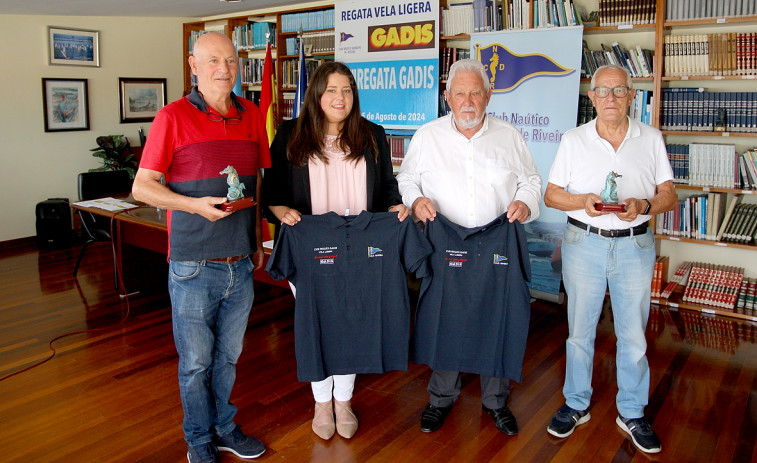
pixel 338 186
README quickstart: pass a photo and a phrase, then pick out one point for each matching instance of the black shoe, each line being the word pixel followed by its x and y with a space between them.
pixel 565 421
pixel 642 435
pixel 503 420
pixel 433 417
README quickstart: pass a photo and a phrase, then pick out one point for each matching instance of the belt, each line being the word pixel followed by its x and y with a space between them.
pixel 638 230
pixel 228 260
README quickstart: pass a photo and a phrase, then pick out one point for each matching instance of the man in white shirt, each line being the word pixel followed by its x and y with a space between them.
pixel 471 167
pixel 602 249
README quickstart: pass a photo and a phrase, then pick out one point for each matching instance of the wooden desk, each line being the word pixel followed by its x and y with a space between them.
pixel 145 227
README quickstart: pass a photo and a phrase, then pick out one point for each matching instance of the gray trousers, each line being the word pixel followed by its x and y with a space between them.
pixel 444 388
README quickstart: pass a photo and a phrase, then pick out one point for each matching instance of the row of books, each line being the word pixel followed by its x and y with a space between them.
pixel 398 147
pixel 586 111
pixel 290 71
pixel 457 20
pixel 712 217
pixel 636 60
pixel 699 9
pixel 314 42
pixel 641 106
pixel 696 110
pixel 447 58
pixel 286 104
pixel 747 295
pixel 704 164
pixel 622 12
pixel 251 70
pixel 713 285
pixel 254 35
pixel 659 275
pixel 742 171
pixel 724 54
pixel 307 21
pixel 556 13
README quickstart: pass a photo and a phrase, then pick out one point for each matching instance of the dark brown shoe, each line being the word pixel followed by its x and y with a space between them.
pixel 433 417
pixel 503 420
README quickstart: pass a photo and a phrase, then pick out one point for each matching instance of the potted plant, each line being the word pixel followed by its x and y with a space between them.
pixel 115 152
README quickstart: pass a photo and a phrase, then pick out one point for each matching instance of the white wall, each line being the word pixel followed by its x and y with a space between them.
pixel 36 165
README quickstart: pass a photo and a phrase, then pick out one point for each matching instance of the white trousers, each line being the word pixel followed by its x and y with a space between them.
pixel 341 385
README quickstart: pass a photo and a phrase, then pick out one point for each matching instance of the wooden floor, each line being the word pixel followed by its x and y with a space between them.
pixel 111 395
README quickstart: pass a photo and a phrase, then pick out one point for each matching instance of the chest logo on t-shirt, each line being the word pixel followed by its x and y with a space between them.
pixel 375 252
pixel 455 258
pixel 326 255
pixel 500 260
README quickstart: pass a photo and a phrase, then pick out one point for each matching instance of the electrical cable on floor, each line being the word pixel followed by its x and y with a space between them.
pixel 123 295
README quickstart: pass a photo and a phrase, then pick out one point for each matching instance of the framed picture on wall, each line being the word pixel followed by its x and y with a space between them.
pixel 66 104
pixel 140 99
pixel 73 47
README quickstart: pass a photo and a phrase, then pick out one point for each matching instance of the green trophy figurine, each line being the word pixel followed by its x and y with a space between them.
pixel 235 198
pixel 610 195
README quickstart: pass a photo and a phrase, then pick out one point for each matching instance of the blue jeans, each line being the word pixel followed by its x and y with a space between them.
pixel 210 302
pixel 590 264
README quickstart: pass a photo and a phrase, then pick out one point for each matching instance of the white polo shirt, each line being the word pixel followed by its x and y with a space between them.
pixel 584 159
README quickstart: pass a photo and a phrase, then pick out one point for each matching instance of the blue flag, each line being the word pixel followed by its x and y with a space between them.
pixel 302 83
pixel 507 70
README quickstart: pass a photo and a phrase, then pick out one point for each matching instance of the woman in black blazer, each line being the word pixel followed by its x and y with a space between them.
pixel 326 160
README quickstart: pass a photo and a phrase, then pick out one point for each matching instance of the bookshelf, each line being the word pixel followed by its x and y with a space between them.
pixel 315 27
pixel 679 248
pixel 253 55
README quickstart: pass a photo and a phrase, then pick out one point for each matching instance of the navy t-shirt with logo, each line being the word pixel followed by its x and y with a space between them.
pixel 352 310
pixel 473 314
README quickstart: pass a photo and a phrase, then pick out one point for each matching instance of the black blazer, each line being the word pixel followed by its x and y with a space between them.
pixel 287 185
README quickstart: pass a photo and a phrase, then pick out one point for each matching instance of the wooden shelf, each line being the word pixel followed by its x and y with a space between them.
pixel 710 134
pixel 722 244
pixel 711 21
pixel 695 78
pixel 713 189
pixel 675 302
pixel 620 28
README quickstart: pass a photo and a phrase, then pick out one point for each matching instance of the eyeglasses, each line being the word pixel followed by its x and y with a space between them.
pixel 213 117
pixel 620 91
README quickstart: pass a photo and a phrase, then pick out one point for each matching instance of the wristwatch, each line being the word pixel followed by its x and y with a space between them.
pixel 648 208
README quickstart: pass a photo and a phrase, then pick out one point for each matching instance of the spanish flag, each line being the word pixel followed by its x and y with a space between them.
pixel 268 94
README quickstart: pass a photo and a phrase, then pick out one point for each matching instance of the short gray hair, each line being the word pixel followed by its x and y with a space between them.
pixel 469 65
pixel 614 67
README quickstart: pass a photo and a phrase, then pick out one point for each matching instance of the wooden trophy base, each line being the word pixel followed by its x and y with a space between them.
pixel 610 207
pixel 230 206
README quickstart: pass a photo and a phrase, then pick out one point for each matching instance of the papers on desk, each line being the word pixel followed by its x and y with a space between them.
pixel 109 204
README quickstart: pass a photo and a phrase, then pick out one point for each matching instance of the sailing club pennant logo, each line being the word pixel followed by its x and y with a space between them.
pixel 500 260
pixel 507 70
pixel 375 252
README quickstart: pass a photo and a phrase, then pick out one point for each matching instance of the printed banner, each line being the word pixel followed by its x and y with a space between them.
pixel 392 48
pixel 534 76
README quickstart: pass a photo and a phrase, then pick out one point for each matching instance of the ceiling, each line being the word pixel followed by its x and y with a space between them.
pixel 166 8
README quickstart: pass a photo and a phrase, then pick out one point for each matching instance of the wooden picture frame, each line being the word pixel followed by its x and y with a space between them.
pixel 66 104
pixel 140 99
pixel 73 47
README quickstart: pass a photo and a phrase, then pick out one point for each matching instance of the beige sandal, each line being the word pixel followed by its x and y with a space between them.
pixel 323 420
pixel 346 421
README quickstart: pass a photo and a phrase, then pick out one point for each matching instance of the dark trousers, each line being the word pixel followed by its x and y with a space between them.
pixel 444 388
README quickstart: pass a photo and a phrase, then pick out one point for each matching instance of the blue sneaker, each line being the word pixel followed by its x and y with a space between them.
pixel 644 438
pixel 240 444
pixel 565 421
pixel 204 453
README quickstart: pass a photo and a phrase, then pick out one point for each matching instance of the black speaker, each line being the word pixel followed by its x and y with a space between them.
pixel 54 223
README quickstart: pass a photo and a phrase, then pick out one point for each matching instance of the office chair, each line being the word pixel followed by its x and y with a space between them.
pixel 93 185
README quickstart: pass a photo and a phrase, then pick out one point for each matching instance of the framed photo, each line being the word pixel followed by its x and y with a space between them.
pixel 66 104
pixel 73 47
pixel 140 99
